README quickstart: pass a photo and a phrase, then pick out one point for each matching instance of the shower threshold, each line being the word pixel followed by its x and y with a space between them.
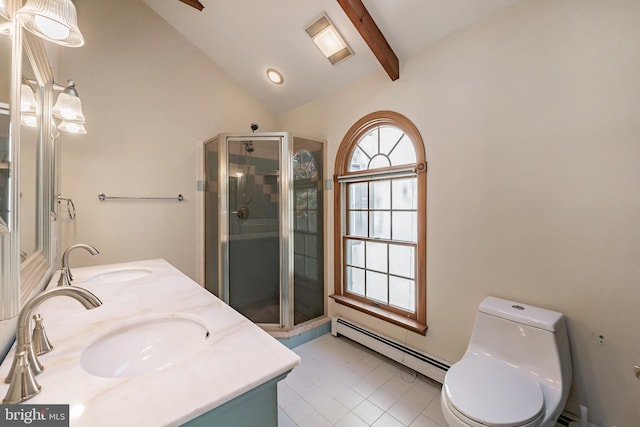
pixel 301 333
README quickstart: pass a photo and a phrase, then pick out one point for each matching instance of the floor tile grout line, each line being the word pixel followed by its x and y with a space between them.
pixel 325 354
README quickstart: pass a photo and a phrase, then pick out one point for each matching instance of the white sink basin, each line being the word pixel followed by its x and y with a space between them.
pixel 124 274
pixel 145 345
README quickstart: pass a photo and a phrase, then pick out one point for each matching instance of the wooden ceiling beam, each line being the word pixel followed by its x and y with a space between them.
pixel 194 3
pixel 366 26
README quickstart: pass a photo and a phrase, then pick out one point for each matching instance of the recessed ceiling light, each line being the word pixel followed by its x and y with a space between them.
pixel 275 76
pixel 325 35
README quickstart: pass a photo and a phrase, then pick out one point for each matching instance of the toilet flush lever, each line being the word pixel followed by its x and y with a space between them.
pixel 636 371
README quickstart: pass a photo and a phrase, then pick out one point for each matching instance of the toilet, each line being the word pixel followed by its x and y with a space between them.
pixel 516 371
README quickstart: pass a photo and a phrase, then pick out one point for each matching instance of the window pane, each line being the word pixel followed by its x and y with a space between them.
pixel 404 226
pixel 380 225
pixel 313 221
pixel 404 153
pixel 404 194
pixel 312 199
pixel 301 199
pixel 369 143
pixel 377 286
pixel 377 256
pixel 380 194
pixel 311 245
pixel 389 137
pixel 402 260
pixel 359 160
pixel 304 165
pixel 311 268
pixel 298 264
pixel 358 196
pixel 355 253
pixel 355 280
pixel 379 161
pixel 402 293
pixel 358 224
pixel 301 221
pixel 298 243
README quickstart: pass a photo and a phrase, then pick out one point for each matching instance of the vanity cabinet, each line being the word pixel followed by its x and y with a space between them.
pixel 257 407
pixel 227 378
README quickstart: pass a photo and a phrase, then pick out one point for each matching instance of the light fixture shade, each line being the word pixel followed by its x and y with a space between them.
pixel 30 120
pixel 327 38
pixel 3 10
pixel 53 20
pixel 68 106
pixel 28 102
pixel 72 127
pixel 329 42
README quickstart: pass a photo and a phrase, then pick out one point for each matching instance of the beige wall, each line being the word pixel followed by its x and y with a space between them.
pixel 532 126
pixel 150 99
pixel 531 122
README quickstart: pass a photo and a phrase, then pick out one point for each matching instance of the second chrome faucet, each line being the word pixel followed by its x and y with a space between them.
pixel 65 274
pixel 25 364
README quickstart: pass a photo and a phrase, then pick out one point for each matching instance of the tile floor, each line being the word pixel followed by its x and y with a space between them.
pixel 341 383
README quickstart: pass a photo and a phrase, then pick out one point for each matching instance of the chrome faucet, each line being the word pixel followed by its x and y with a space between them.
pixel 21 378
pixel 65 274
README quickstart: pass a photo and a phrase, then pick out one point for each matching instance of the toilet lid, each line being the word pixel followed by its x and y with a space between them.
pixel 493 393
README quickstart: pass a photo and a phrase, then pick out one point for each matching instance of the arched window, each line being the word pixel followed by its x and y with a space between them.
pixel 380 214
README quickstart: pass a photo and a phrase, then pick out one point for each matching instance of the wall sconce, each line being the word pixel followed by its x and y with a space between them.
pixel 5 28
pixel 29 120
pixel 53 20
pixel 68 109
pixel 28 102
pixel 325 35
pixel 72 127
pixel 28 105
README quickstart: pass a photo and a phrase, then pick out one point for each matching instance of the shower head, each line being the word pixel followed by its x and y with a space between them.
pixel 248 146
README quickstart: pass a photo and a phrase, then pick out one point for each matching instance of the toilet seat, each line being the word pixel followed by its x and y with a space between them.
pixel 489 392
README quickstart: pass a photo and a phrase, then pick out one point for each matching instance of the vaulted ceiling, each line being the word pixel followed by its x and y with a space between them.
pixel 245 37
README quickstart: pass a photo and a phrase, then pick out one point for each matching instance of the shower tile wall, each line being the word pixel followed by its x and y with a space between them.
pixel 262 184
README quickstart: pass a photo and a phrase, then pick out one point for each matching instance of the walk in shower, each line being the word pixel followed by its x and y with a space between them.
pixel 264 249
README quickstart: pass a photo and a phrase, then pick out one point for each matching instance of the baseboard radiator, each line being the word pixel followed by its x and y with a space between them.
pixel 425 364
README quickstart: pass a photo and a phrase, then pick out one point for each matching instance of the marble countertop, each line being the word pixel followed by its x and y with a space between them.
pixel 237 357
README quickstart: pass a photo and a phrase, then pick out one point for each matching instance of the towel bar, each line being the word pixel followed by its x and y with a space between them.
pixel 102 197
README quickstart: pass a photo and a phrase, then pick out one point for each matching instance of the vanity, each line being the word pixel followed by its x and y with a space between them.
pixel 160 351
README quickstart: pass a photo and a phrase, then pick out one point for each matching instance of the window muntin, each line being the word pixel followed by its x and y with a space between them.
pixel 382 147
pixel 381 206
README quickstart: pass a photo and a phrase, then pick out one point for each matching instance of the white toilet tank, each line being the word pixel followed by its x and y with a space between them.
pixel 530 338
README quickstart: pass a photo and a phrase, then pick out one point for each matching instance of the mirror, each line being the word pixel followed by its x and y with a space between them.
pixel 35 171
pixel 8 293
pixel 29 153
pixel 26 171
pixel 25 223
pixel 5 94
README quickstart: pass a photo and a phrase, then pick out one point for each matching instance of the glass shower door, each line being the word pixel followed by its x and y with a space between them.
pixel 254 229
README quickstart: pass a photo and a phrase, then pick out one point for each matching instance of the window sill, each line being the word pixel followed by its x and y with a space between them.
pixel 379 313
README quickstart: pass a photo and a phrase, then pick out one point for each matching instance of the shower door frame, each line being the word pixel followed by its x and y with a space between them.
pixel 285 218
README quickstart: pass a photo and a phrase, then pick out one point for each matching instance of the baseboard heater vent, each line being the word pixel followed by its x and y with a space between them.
pixel 427 365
